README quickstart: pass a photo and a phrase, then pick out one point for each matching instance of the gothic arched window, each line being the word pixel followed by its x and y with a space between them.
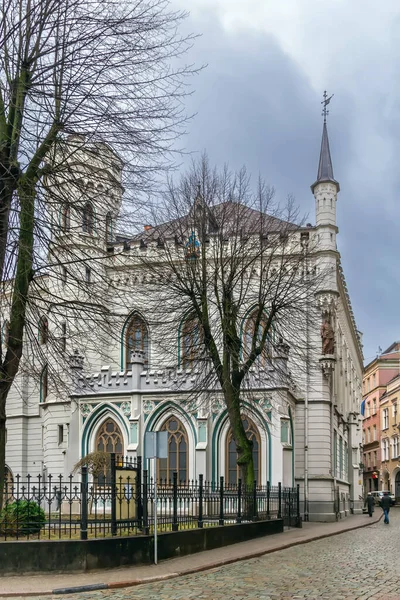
pixel 65 218
pixel 136 338
pixel 43 330
pixel 109 228
pixel 177 452
pixel 249 333
pixel 109 439
pixel 232 467
pixel 88 218
pixel 191 342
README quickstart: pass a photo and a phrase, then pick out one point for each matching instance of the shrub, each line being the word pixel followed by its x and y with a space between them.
pixel 22 517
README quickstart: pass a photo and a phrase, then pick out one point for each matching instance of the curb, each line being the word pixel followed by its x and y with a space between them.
pixel 191 571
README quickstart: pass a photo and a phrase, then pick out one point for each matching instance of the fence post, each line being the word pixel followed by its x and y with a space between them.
pixel 255 508
pixel 145 504
pixel 200 520
pixel 289 503
pixel 221 500
pixel 139 498
pixel 113 496
pixel 298 507
pixel 279 500
pixel 175 501
pixel 268 499
pixel 84 506
pixel 239 498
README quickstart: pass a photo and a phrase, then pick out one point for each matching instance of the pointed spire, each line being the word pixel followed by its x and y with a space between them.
pixel 325 169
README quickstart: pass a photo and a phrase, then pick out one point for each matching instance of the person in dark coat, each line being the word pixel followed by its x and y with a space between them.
pixel 385 504
pixel 370 503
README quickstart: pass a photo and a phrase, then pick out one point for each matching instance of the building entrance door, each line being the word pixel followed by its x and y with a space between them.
pixel 397 487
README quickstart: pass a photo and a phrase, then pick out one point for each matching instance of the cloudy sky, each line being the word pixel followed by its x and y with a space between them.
pixel 258 103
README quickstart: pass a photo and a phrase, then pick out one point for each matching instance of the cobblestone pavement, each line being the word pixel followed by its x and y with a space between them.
pixel 357 565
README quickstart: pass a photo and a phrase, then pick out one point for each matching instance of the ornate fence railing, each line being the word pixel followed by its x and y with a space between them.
pixel 123 502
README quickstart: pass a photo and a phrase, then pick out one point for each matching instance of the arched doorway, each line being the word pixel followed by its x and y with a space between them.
pixel 397 487
pixel 8 483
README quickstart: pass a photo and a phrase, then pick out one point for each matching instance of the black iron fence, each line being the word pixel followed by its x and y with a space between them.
pixel 124 502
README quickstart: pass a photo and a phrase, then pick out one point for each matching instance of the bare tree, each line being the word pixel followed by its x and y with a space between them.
pixel 113 73
pixel 235 268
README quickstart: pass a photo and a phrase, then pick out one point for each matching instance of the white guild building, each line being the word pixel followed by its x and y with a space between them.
pixel 304 432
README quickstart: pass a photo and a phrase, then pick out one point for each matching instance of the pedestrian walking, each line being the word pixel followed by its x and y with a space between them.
pixel 385 504
pixel 370 503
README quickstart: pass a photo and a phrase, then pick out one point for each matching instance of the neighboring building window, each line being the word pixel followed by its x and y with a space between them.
pixel 88 274
pixel 60 434
pixel 367 410
pixel 250 334
pixel 65 218
pixel 64 275
pixel 395 447
pixel 335 451
pixel 136 338
pixel 191 342
pixel 374 406
pixel 368 435
pixel 394 414
pixel 340 458
pixel 285 431
pixel 375 458
pixel 43 330
pixel 88 218
pixel 374 380
pixel 374 434
pixel 44 384
pixel 385 449
pixel 109 228
pixel 369 384
pixel 385 415
pixel 231 452
pixel 177 452
pixel 346 461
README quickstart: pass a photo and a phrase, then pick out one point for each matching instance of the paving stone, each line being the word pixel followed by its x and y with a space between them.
pixel 357 565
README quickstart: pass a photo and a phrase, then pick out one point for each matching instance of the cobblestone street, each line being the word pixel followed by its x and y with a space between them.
pixel 357 565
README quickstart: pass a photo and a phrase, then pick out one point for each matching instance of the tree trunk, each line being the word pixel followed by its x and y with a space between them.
pixel 244 446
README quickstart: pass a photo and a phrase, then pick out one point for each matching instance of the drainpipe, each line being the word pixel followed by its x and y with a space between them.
pixel 305 241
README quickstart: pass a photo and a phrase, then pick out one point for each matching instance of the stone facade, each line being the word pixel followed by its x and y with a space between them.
pixel 306 427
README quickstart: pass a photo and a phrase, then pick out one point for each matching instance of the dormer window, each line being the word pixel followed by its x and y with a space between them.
pixel 88 219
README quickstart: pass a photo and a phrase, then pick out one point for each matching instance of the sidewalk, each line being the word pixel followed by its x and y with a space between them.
pixel 48 583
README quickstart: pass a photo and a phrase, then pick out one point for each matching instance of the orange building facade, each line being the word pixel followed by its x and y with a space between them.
pixel 380 443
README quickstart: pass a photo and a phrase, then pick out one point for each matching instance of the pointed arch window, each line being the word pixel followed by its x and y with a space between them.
pixel 249 334
pixel 109 228
pixel 177 452
pixel 43 330
pixel 232 468
pixel 109 439
pixel 88 218
pixel 191 342
pixel 136 338
pixel 65 218
pixel 44 384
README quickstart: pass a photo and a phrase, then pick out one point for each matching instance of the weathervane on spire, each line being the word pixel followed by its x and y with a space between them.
pixel 325 102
